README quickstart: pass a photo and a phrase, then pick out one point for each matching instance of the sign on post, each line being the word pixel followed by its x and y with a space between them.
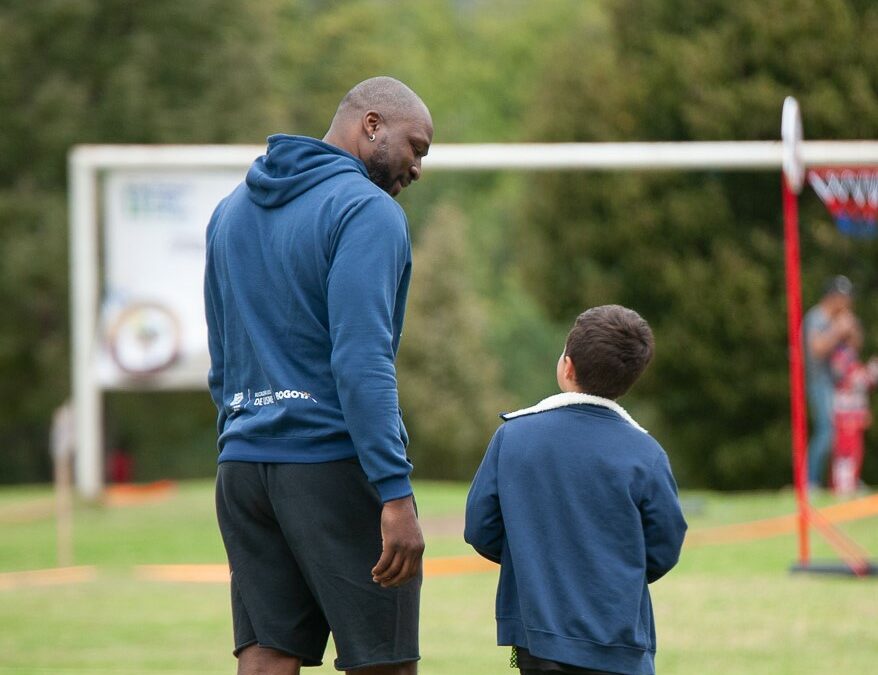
pixel 152 310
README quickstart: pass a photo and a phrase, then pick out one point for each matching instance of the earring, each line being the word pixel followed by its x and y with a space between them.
pixel 372 138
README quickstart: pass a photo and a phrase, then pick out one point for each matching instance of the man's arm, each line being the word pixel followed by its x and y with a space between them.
pixel 664 526
pixel 484 529
pixel 217 359
pixel 214 317
pixel 822 343
pixel 368 259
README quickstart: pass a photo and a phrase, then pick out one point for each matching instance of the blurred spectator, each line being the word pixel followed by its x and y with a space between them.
pixel 120 464
pixel 851 414
pixel 826 325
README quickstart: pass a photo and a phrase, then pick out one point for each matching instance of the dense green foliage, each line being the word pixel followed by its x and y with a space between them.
pixel 504 262
pixel 447 376
pixel 700 255
pixel 87 72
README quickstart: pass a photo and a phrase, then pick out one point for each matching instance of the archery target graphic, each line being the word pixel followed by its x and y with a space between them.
pixel 145 338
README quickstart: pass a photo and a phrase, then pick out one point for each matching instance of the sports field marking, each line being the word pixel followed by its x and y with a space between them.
pixel 445 566
pixel 214 573
pixel 470 564
pixel 774 527
pixel 135 494
pixel 27 511
pixel 50 577
pixel 194 574
pixel 461 564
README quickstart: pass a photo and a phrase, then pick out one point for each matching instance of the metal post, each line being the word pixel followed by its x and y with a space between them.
pixel 62 456
pixel 87 402
pixel 797 373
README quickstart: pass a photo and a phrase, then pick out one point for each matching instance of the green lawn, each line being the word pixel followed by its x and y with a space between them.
pixel 725 609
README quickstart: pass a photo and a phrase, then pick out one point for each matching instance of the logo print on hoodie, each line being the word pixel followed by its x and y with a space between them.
pixel 268 397
pixel 235 403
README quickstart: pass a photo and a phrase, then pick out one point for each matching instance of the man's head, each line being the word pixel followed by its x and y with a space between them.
pixel 606 351
pixel 388 127
pixel 838 295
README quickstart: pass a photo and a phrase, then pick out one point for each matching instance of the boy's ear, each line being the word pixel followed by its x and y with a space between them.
pixel 569 369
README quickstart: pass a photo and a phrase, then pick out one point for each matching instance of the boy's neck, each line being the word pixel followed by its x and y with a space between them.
pixel 570 398
pixel 573 389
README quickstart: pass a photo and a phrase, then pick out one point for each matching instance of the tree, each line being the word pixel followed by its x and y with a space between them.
pixel 699 255
pixel 111 71
pixel 449 381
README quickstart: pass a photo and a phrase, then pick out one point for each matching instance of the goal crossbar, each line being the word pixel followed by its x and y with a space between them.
pixel 680 156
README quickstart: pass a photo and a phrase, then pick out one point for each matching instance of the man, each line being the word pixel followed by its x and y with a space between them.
pixel 825 326
pixel 308 267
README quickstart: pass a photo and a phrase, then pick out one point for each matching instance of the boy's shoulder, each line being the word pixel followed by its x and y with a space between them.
pixel 546 416
pixel 570 399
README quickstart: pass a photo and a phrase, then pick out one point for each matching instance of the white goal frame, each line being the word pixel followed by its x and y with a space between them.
pixel 88 164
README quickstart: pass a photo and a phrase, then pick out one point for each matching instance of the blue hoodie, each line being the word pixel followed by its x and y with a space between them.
pixel 308 267
pixel 578 505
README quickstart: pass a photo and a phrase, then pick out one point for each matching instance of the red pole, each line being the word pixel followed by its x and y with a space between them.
pixel 797 372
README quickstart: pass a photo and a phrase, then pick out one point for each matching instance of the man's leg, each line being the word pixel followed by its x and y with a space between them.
pixel 274 614
pixel 409 668
pixel 820 398
pixel 375 629
pixel 256 660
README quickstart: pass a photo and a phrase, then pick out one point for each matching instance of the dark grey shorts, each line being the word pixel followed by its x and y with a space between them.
pixel 301 541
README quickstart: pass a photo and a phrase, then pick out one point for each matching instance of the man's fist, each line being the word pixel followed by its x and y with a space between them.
pixel 403 544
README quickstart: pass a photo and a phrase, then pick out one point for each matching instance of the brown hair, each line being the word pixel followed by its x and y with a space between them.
pixel 610 347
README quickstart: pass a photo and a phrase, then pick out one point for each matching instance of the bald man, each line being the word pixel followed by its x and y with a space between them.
pixel 308 268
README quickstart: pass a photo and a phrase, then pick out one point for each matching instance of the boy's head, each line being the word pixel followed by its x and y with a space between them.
pixel 606 351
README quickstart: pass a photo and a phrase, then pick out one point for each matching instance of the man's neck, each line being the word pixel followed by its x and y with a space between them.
pixel 335 139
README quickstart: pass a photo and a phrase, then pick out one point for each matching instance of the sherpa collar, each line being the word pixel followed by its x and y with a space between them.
pixel 574 398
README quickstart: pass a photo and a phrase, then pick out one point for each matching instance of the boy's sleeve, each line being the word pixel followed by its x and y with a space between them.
pixel 664 526
pixel 484 529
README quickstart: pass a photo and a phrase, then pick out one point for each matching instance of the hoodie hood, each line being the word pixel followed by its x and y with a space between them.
pixel 293 165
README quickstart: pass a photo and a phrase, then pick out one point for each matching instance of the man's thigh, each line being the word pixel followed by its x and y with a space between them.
pixel 272 604
pixel 331 518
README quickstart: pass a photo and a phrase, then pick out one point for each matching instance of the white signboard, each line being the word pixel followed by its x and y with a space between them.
pixel 152 318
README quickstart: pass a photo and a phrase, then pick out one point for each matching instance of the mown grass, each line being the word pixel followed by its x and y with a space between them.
pixel 725 609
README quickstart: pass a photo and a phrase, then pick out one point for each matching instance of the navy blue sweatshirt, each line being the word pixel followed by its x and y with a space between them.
pixel 578 505
pixel 308 268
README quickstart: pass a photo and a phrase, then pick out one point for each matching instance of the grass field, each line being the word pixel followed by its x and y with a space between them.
pixel 730 608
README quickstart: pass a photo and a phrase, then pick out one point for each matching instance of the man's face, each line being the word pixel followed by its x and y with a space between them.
pixel 396 160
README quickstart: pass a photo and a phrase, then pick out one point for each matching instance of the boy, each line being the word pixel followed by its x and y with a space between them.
pixel 578 505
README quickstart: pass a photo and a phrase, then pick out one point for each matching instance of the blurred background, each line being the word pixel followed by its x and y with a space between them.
pixel 504 261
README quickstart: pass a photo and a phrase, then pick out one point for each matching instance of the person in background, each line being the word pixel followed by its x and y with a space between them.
pixel 826 326
pixel 851 414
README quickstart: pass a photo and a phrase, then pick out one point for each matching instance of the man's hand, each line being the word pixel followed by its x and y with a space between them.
pixel 403 543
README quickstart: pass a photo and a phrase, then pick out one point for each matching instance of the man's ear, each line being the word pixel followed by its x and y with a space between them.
pixel 371 122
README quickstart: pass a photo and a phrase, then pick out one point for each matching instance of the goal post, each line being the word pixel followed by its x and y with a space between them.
pixel 93 167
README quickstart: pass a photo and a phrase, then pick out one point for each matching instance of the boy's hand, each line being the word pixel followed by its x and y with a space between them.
pixel 402 556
